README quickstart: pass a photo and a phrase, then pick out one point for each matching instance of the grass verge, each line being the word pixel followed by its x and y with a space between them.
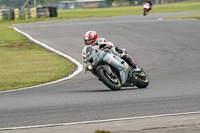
pixel 23 63
pixel 192 16
pixel 102 131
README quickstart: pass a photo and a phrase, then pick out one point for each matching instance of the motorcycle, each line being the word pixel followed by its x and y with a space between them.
pixel 113 71
pixel 146 8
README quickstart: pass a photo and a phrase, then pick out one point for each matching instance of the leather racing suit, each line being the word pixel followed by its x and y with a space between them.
pixel 102 42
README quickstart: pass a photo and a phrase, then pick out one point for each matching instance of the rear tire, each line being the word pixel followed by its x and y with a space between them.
pixel 115 86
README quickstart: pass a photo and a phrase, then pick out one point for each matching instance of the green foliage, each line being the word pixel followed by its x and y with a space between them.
pixel 20 3
pixel 1 2
pixel 102 131
pixel 191 16
pixel 109 2
pixel 12 3
pixel 45 2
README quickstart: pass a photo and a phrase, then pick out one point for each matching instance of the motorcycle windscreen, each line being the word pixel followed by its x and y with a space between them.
pixel 89 51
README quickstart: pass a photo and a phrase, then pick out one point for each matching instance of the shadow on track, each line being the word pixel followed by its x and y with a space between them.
pixel 105 90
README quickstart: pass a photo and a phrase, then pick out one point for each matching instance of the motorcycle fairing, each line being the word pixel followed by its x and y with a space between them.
pixel 119 64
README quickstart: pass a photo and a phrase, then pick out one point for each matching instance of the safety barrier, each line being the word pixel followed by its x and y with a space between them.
pixel 33 13
pixel 28 13
pixel 3 14
pixel 6 14
pixel 42 12
pixel 16 12
pixel 47 12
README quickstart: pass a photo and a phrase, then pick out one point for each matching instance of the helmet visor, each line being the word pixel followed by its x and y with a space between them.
pixel 88 42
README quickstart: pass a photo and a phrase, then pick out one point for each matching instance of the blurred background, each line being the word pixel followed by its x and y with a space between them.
pixel 26 9
pixel 77 4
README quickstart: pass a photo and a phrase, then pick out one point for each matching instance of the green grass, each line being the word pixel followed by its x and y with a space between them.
pixel 191 16
pixel 23 63
pixel 177 7
pixel 102 131
pixel 187 1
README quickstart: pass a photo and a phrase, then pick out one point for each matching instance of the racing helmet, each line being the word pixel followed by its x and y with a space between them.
pixel 90 37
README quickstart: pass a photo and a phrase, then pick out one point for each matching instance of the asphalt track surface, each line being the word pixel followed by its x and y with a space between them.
pixel 168 50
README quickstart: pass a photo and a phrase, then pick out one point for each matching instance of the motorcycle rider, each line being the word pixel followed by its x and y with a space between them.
pixel 91 38
pixel 150 3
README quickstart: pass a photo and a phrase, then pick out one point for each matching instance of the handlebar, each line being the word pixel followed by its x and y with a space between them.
pixel 106 48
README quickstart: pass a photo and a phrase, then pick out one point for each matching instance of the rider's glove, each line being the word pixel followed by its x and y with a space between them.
pixel 109 46
pixel 104 46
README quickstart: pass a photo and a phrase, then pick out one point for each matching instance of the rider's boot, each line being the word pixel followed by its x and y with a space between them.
pixel 129 61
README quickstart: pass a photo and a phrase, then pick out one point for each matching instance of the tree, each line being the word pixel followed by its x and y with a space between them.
pixel 45 2
pixel 109 2
pixel 12 3
pixel 1 2
pixel 20 3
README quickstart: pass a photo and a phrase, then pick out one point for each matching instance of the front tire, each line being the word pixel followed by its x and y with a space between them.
pixel 142 80
pixel 115 86
pixel 144 13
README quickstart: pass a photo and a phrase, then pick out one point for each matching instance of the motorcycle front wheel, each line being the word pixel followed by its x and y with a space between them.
pixel 144 13
pixel 112 83
pixel 142 80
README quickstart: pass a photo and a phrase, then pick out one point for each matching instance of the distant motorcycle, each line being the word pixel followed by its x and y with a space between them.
pixel 146 8
pixel 113 71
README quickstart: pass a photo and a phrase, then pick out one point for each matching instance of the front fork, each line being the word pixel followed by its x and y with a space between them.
pixel 133 78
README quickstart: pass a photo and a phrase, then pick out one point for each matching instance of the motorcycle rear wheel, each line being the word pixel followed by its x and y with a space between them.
pixel 115 86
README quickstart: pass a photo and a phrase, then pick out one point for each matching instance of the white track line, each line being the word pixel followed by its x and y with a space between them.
pixel 79 65
pixel 99 121
pixel 179 19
